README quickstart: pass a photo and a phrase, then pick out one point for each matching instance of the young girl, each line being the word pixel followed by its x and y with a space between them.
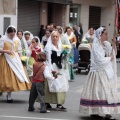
pixel 35 47
pixel 40 72
pixel 12 72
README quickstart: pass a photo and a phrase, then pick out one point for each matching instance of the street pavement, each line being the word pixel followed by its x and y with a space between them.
pixel 18 109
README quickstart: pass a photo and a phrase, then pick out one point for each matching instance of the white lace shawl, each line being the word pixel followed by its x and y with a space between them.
pixel 100 58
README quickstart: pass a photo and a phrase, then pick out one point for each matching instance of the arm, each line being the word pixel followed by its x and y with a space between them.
pixel 4 51
pixel 33 70
pixel 74 39
pixel 114 45
pixel 19 49
pixel 48 62
pixel 98 54
pixel 47 74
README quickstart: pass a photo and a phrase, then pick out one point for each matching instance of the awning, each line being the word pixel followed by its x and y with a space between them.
pixel 66 2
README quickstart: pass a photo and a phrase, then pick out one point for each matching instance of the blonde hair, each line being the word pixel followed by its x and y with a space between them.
pixel 55 32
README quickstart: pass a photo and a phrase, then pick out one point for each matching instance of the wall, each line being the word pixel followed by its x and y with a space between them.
pixel 84 17
pixel 107 14
pixel 8 8
pixel 43 13
pixel 108 19
pixel 99 3
pixel 67 11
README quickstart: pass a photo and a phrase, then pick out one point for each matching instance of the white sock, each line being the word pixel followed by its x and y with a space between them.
pixel 9 96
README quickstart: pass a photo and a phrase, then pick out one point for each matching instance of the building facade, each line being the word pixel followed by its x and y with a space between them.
pixel 95 13
pixel 30 14
pixel 8 14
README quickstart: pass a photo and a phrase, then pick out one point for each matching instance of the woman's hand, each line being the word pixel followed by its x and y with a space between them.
pixel 9 52
pixel 114 41
pixel 114 45
pixel 112 57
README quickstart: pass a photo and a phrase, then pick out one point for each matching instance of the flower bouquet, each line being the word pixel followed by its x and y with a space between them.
pixel 24 60
pixel 66 51
pixel 31 61
pixel 55 74
pixel 23 52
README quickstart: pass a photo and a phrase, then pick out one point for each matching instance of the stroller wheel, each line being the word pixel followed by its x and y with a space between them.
pixel 79 71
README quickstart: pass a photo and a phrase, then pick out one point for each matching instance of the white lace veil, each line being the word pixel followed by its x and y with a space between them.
pixel 98 32
pixel 49 46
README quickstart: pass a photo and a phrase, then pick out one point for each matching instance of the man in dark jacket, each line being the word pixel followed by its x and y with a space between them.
pixel 78 35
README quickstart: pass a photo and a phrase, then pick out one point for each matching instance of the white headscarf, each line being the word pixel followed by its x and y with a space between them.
pixel 6 34
pixel 5 37
pixel 27 41
pixel 39 44
pixel 31 35
pixel 88 34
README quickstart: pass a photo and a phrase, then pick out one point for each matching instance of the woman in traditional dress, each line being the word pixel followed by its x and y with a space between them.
pixel 74 55
pixel 54 50
pixel 45 38
pixel 89 36
pixel 12 72
pixel 28 36
pixel 100 95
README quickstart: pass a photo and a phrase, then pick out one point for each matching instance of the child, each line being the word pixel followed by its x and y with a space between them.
pixel 40 72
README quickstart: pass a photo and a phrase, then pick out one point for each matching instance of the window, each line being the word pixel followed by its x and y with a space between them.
pixel 6 23
pixel 74 14
pixel 94 16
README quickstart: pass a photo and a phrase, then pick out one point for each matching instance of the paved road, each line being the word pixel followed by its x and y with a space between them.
pixel 18 109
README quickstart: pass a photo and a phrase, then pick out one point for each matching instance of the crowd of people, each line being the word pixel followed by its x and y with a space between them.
pixel 52 59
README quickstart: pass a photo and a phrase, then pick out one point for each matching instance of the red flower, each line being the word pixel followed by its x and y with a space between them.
pixel 56 77
pixel 54 72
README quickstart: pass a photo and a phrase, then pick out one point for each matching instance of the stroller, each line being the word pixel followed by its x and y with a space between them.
pixel 84 60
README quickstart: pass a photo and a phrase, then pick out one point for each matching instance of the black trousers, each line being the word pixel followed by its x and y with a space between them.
pixel 37 90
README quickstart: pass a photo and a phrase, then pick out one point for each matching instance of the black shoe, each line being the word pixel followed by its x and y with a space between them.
pixel 9 101
pixel 61 107
pixel 48 106
pixel 1 93
pixel 96 116
pixel 31 109
pixel 45 111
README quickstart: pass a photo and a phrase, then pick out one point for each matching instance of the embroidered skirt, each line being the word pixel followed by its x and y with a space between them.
pixel 100 95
